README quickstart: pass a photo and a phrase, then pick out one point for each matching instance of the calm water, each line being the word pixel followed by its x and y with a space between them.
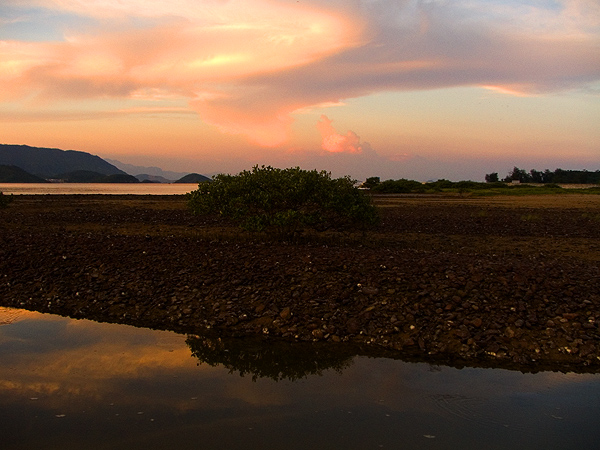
pixel 97 188
pixel 73 384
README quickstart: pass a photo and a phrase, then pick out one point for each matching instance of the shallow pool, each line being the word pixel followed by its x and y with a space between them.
pixel 79 384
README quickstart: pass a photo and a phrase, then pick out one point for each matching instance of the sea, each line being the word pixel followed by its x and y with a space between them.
pixel 97 188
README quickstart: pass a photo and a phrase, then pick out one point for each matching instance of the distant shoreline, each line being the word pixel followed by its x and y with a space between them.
pixel 97 188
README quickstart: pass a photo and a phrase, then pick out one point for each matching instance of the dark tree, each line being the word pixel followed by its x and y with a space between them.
pixel 536 176
pixel 401 186
pixel 548 177
pixel 371 182
pixel 518 175
pixel 558 176
pixel 492 177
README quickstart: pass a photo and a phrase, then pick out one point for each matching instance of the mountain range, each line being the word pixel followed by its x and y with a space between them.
pixel 49 162
pixel 152 173
pixel 25 164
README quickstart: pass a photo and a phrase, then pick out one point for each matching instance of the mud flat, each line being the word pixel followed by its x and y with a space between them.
pixel 499 281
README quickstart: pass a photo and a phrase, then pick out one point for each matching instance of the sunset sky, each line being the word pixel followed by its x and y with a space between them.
pixel 392 88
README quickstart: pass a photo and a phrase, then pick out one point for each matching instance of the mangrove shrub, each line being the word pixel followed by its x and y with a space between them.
pixel 285 201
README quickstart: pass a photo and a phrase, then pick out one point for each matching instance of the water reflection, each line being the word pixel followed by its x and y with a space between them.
pixel 275 360
pixel 79 384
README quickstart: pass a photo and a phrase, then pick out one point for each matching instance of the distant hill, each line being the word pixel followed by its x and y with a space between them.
pixel 47 162
pixel 119 178
pixel 147 178
pixel 151 171
pixel 87 176
pixel 14 174
pixel 193 178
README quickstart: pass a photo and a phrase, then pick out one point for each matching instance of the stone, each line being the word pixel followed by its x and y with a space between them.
pixel 318 334
pixel 369 290
pixel 353 326
pixel 285 313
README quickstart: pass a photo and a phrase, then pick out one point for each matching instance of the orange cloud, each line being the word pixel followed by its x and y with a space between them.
pixel 337 143
pixel 246 66
pixel 265 128
pixel 193 49
pixel 514 90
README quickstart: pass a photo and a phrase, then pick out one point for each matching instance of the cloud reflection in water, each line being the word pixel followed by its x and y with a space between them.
pixel 93 385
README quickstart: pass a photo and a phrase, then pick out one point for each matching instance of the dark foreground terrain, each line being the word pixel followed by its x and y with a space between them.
pixel 503 281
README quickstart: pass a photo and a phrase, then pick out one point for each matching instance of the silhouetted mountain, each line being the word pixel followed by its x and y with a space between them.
pixel 119 178
pixel 14 174
pixel 193 178
pixel 79 176
pixel 143 170
pixel 145 178
pixel 47 162
pixel 87 176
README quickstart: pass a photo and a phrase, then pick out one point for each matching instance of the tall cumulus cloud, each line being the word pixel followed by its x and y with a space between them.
pixel 333 142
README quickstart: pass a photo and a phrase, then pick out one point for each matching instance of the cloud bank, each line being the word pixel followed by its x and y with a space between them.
pixel 246 66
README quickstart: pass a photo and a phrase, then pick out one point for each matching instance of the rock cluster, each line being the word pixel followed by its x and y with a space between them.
pixel 437 294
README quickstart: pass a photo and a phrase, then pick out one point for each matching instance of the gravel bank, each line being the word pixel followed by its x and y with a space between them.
pixel 456 280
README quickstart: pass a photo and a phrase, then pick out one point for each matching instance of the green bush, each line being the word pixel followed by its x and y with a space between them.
pixel 285 201
pixel 401 186
pixel 439 184
pixel 5 200
pixel 371 182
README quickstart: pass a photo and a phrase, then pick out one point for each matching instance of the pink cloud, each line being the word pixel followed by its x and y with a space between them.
pixel 246 66
pixel 337 143
pixel 203 52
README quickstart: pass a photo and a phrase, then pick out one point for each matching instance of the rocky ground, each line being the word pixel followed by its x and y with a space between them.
pixel 503 281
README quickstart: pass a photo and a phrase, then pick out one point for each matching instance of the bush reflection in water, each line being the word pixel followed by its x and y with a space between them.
pixel 79 384
pixel 274 360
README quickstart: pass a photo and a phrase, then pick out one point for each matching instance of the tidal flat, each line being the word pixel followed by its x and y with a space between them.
pixel 505 281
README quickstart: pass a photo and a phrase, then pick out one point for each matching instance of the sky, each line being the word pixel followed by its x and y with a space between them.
pixel 418 89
